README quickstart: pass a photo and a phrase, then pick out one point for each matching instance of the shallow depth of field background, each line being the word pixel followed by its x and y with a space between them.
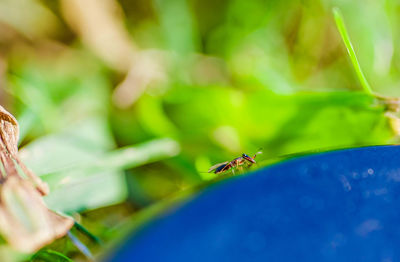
pixel 123 104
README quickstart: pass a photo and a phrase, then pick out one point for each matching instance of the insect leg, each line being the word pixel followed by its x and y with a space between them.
pixel 226 167
pixel 238 163
pixel 220 169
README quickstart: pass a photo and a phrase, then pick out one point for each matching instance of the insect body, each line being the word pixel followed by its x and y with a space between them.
pixel 237 162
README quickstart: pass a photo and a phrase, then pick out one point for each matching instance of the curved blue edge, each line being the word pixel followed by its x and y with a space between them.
pixel 334 206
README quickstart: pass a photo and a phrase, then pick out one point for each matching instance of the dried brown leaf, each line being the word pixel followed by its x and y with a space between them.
pixel 25 221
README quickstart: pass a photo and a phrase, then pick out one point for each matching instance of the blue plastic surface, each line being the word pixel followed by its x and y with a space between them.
pixel 335 206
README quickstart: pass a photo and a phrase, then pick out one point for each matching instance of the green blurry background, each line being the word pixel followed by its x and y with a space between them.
pixel 124 103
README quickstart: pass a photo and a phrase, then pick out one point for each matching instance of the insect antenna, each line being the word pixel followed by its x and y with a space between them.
pixel 259 151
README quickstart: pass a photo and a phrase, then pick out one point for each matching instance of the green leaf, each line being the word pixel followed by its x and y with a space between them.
pixel 49 255
pixel 88 173
pixel 346 39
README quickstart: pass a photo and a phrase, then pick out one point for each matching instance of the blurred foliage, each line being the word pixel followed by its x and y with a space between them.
pixel 123 103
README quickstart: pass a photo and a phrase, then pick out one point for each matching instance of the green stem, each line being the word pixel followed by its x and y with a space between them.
pixel 86 232
pixel 346 39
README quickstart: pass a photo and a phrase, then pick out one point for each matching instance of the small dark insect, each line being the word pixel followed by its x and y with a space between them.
pixel 237 162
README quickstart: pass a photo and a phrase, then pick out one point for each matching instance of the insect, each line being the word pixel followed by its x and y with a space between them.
pixel 237 162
